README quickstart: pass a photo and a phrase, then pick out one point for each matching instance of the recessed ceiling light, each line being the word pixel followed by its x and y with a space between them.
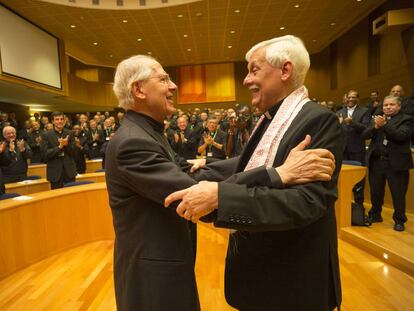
pixel 180 15
pixel 358 0
pixel 296 5
pixel 111 56
pixel 333 24
pixel 72 26
pixel 281 28
pixel 198 14
pixel 229 46
pixel 185 36
pixel 125 21
pixel 237 11
pixel 314 40
pixel 149 53
pixel 139 39
pixel 95 43
pixel 232 31
pixel 188 50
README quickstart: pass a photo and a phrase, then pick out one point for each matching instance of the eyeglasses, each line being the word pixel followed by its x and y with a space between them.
pixel 164 79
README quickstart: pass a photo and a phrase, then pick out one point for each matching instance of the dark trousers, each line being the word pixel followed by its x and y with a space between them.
pixel 63 179
pixel 358 189
pixel 380 172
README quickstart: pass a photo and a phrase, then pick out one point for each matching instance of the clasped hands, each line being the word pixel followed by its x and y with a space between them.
pixel 301 166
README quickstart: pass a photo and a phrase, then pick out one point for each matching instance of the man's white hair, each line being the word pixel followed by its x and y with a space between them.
pixel 282 49
pixel 7 128
pixel 133 69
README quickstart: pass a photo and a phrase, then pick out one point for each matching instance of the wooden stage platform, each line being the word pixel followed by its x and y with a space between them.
pixel 380 240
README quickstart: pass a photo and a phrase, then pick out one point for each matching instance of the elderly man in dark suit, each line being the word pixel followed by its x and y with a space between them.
pixel 283 255
pixel 19 151
pixel 154 255
pixel 58 149
pixel 389 159
pixel 354 119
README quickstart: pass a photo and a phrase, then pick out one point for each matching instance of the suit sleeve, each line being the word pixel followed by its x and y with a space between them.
pixel 148 171
pixel 401 133
pixel 263 208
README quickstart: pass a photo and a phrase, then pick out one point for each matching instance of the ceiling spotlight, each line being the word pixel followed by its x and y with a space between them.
pixel 95 43
pixel 282 28
pixel 198 14
pixel 333 24
pixel 237 11
pixel 139 39
pixel 232 31
pixel 111 56
pixel 358 0
pixel 180 15
pixel 72 26
pixel 188 50
pixel 229 46
pixel 296 5
pixel 125 21
pixel 185 36
pixel 149 53
pixel 314 40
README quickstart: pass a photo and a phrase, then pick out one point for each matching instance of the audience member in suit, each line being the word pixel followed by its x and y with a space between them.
pixel 35 143
pixel 58 147
pixel 44 121
pixel 5 160
pixel 153 245
pixel 103 149
pixel 185 141
pixel 374 106
pixel 354 119
pixel 389 159
pixel 107 129
pixel 196 127
pixel 213 140
pixel 19 151
pixel 80 148
pixel 24 133
pixel 237 135
pixel 95 139
pixel 283 255
pixel 407 104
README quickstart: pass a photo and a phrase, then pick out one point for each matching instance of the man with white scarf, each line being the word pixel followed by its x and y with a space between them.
pixel 283 255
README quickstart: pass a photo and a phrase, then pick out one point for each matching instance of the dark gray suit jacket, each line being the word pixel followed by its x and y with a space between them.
pixel 284 254
pixel 154 264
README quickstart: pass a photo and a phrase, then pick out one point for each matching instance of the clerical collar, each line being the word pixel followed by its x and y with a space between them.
pixel 269 114
pixel 159 127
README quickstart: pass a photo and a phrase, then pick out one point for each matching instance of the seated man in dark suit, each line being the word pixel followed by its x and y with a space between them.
pixel 389 159
pixel 5 160
pixel 154 249
pixel 58 150
pixel 19 151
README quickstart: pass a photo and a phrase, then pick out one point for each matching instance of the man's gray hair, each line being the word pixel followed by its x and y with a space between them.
pixel 393 98
pixel 6 128
pixel 130 70
pixel 282 49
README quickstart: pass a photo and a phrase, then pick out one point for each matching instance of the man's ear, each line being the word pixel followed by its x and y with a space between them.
pixel 137 91
pixel 287 69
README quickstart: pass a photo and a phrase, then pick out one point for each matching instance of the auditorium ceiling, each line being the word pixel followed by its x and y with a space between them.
pixel 206 31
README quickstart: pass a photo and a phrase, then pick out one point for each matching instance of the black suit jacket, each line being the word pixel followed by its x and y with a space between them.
pixel 188 148
pixel 352 133
pixel 5 160
pixel 153 266
pixel 56 160
pixel 284 254
pixel 397 132
pixel 17 169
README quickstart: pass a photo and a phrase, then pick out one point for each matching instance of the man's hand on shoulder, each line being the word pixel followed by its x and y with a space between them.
pixel 303 166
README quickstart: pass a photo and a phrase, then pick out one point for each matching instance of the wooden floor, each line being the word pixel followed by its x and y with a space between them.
pixel 81 279
pixel 380 239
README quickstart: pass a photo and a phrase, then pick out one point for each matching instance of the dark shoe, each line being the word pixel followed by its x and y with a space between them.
pixel 399 227
pixel 373 219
